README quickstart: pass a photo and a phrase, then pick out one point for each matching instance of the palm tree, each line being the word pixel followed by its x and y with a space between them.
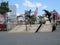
pixel 32 19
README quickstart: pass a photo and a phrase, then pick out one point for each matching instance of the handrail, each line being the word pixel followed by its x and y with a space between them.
pixel 38 28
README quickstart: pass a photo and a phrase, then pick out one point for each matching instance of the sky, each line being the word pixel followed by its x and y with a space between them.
pixel 23 5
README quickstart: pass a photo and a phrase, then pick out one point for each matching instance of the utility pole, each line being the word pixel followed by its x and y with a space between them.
pixel 26 15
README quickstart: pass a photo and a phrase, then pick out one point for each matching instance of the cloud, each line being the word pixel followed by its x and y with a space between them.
pixel 44 7
pixel 30 4
pixel 17 5
pixel 38 4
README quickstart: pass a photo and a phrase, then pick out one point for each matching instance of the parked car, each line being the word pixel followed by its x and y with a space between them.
pixel 2 25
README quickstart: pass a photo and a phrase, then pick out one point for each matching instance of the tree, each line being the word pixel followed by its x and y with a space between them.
pixel 4 8
pixel 41 19
pixel 32 19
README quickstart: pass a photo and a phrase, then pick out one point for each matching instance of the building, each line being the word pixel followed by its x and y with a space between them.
pixel 21 19
pixel 55 13
pixel 12 16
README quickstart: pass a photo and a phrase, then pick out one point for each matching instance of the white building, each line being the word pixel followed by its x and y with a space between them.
pixel 13 15
pixel 21 19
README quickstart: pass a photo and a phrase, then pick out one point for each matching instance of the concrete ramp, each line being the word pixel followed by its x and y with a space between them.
pixel 18 28
pixel 22 28
pixel 46 27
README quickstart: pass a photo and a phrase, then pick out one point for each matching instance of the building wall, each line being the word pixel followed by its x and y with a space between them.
pixel 13 13
pixel 12 17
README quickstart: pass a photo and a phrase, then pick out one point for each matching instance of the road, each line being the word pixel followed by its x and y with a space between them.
pixel 40 38
pixel 46 38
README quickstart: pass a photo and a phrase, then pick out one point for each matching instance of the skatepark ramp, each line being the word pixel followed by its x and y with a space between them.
pixel 46 27
pixel 22 28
